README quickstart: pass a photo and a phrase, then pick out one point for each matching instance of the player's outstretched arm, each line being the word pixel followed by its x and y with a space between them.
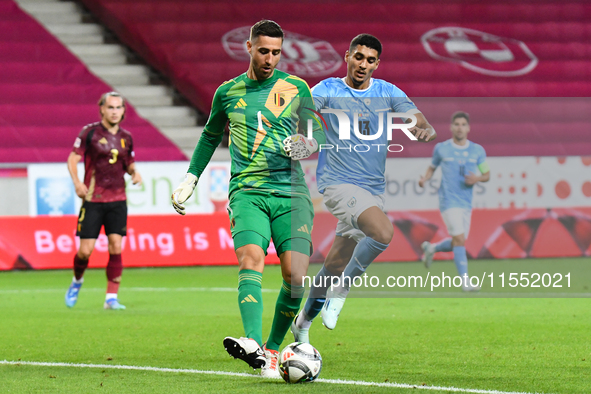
pixel 423 130
pixel 201 156
pixel 299 147
pixel 208 142
pixel 183 192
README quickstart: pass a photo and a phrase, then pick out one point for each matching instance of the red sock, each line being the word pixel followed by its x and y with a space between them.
pixel 79 267
pixel 114 271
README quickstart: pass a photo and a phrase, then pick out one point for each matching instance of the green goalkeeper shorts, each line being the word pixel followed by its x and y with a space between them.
pixel 257 216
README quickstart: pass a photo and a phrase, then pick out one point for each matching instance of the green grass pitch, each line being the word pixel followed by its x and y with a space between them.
pixel 177 318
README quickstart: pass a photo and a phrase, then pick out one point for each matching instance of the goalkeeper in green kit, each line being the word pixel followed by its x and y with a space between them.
pixel 269 198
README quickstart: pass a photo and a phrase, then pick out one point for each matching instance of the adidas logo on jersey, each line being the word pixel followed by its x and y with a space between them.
pixel 241 103
pixel 304 229
pixel 249 298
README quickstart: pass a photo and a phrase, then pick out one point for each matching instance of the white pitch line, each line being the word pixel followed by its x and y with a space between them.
pixel 223 373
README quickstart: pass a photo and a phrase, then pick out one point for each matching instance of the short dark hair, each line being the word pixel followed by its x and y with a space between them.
pixel 267 28
pixel 103 98
pixel 366 40
pixel 460 114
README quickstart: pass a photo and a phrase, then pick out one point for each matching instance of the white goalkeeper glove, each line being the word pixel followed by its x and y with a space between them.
pixel 299 147
pixel 183 192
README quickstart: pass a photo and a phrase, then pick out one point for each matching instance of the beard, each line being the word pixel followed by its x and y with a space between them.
pixel 262 74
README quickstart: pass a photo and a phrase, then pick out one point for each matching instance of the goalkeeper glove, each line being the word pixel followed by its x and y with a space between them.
pixel 299 147
pixel 183 192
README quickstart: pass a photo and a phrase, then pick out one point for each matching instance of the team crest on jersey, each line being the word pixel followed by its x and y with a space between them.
pixel 122 143
pixel 279 100
pixel 480 52
pixel 280 97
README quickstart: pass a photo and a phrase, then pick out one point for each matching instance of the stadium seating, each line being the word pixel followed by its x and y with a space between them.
pixel 183 39
pixel 48 95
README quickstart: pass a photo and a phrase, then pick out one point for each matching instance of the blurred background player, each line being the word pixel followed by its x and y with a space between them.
pixel 108 155
pixel 459 159
pixel 268 196
pixel 353 183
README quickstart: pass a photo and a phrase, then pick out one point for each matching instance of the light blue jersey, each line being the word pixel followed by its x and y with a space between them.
pixel 457 161
pixel 357 161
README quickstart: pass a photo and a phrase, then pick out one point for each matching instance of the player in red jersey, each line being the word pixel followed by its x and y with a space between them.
pixel 108 155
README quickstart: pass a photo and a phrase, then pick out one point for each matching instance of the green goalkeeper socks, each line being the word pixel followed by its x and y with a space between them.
pixel 288 305
pixel 250 302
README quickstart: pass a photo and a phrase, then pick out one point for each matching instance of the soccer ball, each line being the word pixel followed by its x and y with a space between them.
pixel 300 362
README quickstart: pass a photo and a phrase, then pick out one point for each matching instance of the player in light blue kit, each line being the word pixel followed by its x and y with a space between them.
pixel 460 160
pixel 350 174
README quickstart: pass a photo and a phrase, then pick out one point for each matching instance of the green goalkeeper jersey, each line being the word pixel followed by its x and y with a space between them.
pixel 261 115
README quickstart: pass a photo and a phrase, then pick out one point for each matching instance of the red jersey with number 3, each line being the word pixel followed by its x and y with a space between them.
pixel 106 159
